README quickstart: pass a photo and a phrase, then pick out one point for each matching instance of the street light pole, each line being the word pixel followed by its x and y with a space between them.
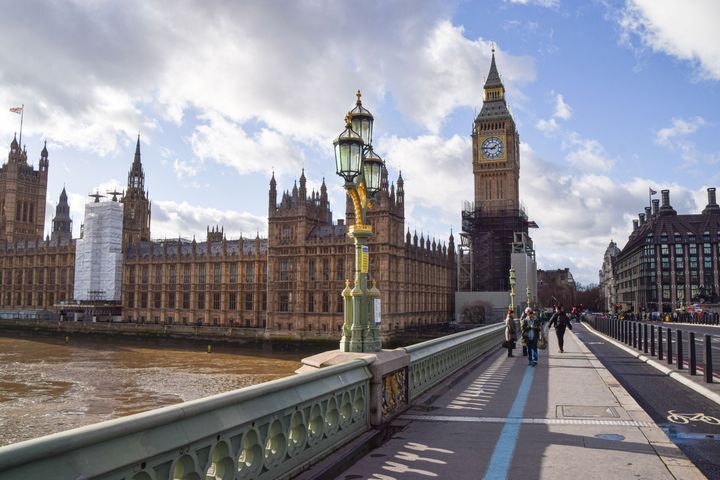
pixel 529 298
pixel 512 288
pixel 361 169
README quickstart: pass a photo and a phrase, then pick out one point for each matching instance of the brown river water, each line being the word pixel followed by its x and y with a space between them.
pixel 48 386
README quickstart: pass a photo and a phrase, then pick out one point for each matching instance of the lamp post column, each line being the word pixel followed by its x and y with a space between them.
pixel 362 329
pixel 512 288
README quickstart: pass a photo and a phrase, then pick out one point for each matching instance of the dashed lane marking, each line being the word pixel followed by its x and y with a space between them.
pixel 530 421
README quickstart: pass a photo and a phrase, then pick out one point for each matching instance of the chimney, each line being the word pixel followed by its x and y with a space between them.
pixel 665 198
pixel 635 225
pixel 655 206
pixel 647 214
pixel 641 216
pixel 712 206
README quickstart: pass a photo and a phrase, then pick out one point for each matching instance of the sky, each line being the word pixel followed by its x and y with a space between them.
pixel 610 97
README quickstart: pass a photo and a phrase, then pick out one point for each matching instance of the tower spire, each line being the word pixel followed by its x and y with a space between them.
pixel 493 78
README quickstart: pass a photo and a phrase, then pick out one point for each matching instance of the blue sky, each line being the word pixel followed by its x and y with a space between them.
pixel 610 97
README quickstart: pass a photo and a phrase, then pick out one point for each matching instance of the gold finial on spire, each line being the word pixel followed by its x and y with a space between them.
pixel 358 95
pixel 348 120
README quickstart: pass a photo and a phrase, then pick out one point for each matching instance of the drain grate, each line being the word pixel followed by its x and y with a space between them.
pixel 585 411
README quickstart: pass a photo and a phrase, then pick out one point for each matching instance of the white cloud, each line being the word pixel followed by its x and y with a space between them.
pixel 430 163
pixel 170 219
pixel 445 75
pixel 226 142
pixel 562 109
pixel 547 126
pixel 675 137
pixel 679 128
pixel 684 30
pixel 184 169
pixel 103 90
pixel 579 213
pixel 539 3
pixel 562 112
pixel 588 154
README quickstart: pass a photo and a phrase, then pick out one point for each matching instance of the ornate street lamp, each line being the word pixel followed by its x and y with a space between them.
pixel 529 298
pixel 361 168
pixel 512 289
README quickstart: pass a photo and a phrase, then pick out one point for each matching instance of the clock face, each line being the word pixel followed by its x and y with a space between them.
pixel 492 148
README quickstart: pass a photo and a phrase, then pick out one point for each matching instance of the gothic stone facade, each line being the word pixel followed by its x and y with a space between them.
pixel 287 284
pixel 310 257
pixel 34 273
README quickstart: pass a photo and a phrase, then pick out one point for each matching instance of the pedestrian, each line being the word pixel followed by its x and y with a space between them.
pixel 510 332
pixel 531 334
pixel 561 322
pixel 523 326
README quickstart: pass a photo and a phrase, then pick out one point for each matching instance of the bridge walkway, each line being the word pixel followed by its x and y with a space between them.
pixel 568 417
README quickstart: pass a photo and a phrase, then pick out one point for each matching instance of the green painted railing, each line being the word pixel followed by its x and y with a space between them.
pixel 269 431
pixel 434 360
pixel 266 431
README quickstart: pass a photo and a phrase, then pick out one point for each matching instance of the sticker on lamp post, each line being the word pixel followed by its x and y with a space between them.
pixel 376 305
pixel 365 259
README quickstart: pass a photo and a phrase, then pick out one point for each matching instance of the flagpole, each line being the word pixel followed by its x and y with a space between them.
pixel 22 114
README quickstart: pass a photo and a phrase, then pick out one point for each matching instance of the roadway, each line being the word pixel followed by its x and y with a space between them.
pixel 660 396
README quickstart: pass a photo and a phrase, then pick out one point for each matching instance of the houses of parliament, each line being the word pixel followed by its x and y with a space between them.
pixel 286 284
pixel 290 283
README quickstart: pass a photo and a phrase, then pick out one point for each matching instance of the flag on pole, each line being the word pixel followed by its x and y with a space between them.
pixel 652 192
pixel 16 109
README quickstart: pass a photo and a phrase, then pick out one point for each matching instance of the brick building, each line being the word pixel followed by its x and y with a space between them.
pixel 670 260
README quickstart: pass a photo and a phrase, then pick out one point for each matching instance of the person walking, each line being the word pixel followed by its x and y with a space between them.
pixel 523 326
pixel 510 332
pixel 531 334
pixel 561 322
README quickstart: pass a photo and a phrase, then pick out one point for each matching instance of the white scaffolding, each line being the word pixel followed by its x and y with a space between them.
pixel 98 254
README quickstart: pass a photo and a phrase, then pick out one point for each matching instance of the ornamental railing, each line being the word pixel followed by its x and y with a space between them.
pixel 266 431
pixel 269 431
pixel 434 360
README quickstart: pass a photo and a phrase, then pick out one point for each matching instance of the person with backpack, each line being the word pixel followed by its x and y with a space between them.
pixel 523 327
pixel 561 322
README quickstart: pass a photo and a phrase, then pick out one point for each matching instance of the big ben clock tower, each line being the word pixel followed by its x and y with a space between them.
pixel 495 225
pixel 496 157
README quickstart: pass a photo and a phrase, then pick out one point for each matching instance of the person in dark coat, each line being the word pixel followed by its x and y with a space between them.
pixel 510 332
pixel 561 322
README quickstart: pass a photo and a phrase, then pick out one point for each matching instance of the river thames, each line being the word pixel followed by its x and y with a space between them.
pixel 48 386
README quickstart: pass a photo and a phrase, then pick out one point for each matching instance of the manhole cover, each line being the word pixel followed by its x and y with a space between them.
pixel 585 411
pixel 610 436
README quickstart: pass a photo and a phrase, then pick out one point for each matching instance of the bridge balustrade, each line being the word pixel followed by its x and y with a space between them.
pixel 273 430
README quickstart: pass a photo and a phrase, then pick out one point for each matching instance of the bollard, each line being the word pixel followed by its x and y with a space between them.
pixel 708 360
pixel 209 348
pixel 669 346
pixel 652 340
pixel 660 343
pixel 67 339
pixel 693 355
pixel 645 338
pixel 679 350
pixel 634 334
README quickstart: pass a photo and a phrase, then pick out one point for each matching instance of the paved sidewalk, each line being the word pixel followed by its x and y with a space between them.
pixel 566 418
